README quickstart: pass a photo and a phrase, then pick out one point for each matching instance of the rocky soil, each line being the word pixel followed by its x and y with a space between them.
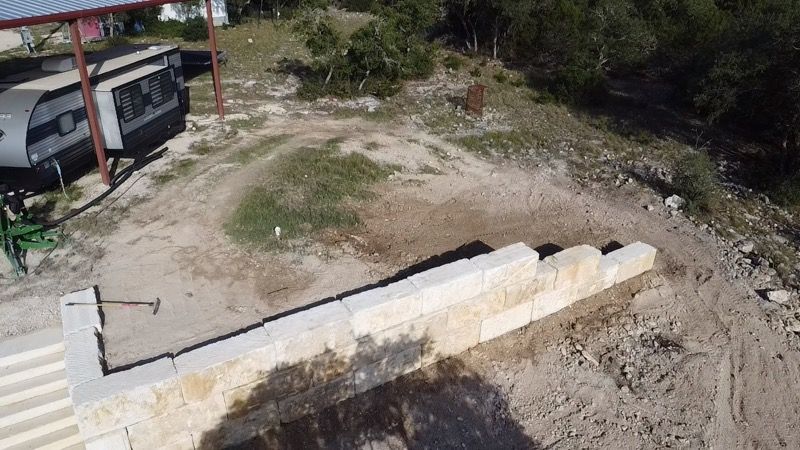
pixel 701 352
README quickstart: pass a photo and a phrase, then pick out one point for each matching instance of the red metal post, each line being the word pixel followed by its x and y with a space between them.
pixel 91 113
pixel 212 38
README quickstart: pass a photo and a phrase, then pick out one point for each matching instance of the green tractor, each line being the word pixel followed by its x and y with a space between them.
pixel 19 233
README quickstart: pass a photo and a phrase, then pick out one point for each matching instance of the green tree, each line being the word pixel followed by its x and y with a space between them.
pixel 324 42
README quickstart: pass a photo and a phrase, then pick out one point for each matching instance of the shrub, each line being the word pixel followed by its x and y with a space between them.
pixel 168 29
pixel 196 29
pixel 501 77
pixel 476 72
pixel 358 5
pixel 696 181
pixel 453 62
pixel 116 41
pixel 419 61
pixel 579 83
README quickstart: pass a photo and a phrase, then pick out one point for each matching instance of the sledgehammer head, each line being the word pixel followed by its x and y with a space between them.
pixel 156 305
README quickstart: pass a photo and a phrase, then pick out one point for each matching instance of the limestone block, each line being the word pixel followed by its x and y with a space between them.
pixel 387 369
pixel 184 443
pixel 608 269
pixel 457 341
pixel 124 398
pixel 242 400
pixel 508 265
pixel 301 336
pixel 550 302
pixel 508 320
pixel 76 318
pixel 115 440
pixel 603 279
pixel 178 425
pixel 474 310
pixel 447 285
pixel 401 337
pixel 634 259
pixel 382 308
pixel 316 399
pixel 225 364
pixel 574 265
pixel 83 358
pixel 525 291
pixel 229 433
pixel 332 364
pixel 291 381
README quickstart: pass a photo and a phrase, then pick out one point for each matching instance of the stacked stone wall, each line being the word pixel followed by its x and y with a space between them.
pixel 279 371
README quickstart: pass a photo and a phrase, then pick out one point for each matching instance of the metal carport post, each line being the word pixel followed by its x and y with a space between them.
pixel 88 100
pixel 212 43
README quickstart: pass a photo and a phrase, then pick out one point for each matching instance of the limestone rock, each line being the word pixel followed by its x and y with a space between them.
pixel 125 398
pixel 674 202
pixel 509 265
pixel 781 296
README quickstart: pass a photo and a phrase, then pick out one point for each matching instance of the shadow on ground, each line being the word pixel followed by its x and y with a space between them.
pixel 445 406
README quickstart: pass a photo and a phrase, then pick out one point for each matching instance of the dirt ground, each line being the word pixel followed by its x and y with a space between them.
pixel 686 356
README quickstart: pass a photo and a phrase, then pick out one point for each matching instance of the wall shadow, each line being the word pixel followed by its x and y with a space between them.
pixel 444 406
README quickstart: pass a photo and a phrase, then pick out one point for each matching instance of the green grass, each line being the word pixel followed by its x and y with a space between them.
pixel 246 124
pixel 177 170
pixel 308 191
pixel 54 201
pixel 263 148
pixel 499 142
pixel 202 148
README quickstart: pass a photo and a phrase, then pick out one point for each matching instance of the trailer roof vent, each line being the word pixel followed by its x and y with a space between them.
pixel 59 64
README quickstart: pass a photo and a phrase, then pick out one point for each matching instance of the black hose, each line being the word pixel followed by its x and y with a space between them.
pixel 116 182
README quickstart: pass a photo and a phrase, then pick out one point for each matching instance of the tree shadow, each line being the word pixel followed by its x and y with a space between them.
pixel 295 67
pixel 446 405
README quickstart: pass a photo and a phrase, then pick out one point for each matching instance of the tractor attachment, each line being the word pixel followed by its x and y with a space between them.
pixel 19 233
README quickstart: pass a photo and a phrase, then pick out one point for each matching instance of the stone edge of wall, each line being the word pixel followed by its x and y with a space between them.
pixel 276 372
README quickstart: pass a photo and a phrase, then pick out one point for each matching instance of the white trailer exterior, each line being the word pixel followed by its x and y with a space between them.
pixel 43 123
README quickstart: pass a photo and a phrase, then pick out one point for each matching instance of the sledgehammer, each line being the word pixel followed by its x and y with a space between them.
pixel 156 304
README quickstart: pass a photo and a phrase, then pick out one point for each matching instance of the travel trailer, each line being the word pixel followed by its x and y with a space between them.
pixel 44 132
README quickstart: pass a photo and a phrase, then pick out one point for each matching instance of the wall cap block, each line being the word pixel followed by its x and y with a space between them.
pixel 508 265
pixel 384 307
pixel 447 285
pixel 82 357
pixel 225 350
pixel 291 325
pixel 77 318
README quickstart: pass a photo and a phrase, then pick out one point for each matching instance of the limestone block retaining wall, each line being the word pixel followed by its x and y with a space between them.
pixel 279 371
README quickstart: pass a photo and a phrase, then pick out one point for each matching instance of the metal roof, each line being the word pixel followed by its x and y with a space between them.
pixel 33 12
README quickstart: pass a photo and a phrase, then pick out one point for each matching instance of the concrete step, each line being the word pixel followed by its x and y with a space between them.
pixel 80 446
pixel 34 407
pixel 31 368
pixel 34 387
pixel 64 439
pixel 29 430
pixel 31 346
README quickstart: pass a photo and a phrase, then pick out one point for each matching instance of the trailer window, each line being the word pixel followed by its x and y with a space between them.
pixel 162 89
pixel 132 102
pixel 66 123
